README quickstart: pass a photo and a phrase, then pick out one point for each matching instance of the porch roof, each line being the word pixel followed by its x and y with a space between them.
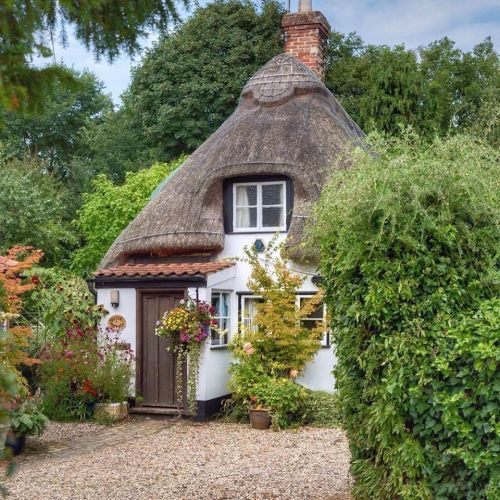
pixel 172 269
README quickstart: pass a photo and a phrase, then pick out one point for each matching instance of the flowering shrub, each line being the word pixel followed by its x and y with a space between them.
pixel 82 368
pixel 275 348
pixel 187 326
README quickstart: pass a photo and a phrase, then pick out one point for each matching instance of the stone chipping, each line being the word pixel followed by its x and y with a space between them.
pixel 181 460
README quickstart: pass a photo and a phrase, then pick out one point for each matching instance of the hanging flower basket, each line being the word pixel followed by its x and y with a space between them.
pixel 187 327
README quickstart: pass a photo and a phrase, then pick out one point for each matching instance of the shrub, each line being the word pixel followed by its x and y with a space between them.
pixel 109 208
pixel 321 409
pixel 60 301
pixel 112 375
pixel 275 348
pixel 252 387
pixel 27 419
pixel 409 243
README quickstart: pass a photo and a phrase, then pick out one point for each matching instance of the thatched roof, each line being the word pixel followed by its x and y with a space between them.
pixel 287 123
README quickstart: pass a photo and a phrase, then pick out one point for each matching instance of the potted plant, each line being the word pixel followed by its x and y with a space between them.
pixel 25 420
pixel 276 401
pixel 260 416
pixel 111 381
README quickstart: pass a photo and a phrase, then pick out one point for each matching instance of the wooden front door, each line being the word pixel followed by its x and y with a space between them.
pixel 156 376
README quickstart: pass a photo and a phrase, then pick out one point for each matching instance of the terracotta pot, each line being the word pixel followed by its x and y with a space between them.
pixel 260 419
pixel 117 411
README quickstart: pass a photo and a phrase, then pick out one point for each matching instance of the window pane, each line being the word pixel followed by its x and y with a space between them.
pixel 246 217
pixel 272 194
pixel 318 314
pixel 224 304
pixel 246 196
pixel 216 304
pixel 310 325
pixel 272 217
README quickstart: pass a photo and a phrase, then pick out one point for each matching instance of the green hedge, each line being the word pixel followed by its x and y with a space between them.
pixel 410 243
pixel 321 409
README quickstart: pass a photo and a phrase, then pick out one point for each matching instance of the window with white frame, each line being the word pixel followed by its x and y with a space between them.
pixel 221 302
pixel 249 309
pixel 259 206
pixel 312 320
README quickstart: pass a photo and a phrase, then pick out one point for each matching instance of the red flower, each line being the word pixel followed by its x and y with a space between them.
pixel 88 388
pixel 35 280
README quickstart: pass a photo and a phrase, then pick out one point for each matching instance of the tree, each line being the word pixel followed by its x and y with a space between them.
pixel 33 210
pixel 437 89
pixel 110 146
pixel 14 341
pixel 109 208
pixel 107 27
pixel 190 81
pixel 409 244
pixel 53 136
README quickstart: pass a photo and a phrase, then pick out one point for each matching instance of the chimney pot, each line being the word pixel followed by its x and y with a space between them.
pixel 305 5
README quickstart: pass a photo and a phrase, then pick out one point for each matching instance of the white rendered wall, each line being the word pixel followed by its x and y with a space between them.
pixel 127 309
pixel 214 374
pixel 318 373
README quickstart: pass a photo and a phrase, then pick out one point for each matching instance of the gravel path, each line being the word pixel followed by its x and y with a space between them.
pixel 187 461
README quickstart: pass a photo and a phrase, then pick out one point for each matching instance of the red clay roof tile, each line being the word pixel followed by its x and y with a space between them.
pixel 173 269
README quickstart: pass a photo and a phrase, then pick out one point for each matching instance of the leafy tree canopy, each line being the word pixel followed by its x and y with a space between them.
pixel 106 27
pixel 109 208
pixel 190 81
pixel 436 89
pixel 32 211
pixel 110 146
pixel 53 136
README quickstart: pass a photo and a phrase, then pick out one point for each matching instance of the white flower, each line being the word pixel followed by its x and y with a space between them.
pixel 182 302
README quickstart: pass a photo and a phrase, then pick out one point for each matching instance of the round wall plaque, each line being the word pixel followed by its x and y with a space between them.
pixel 117 323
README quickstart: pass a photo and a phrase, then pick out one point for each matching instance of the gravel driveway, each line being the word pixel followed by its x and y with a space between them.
pixel 171 460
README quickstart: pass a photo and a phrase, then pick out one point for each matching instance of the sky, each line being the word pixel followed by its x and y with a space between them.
pixel 391 22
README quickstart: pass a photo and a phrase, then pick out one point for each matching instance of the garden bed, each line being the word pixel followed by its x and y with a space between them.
pixel 185 460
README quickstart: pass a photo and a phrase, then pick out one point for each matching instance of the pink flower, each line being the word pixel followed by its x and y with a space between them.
pixel 294 373
pixel 185 337
pixel 248 348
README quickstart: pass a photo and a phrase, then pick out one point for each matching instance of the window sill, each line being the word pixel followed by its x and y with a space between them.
pixel 329 346
pixel 258 231
pixel 219 347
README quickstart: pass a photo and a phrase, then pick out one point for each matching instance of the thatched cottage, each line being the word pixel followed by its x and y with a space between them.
pixel 256 176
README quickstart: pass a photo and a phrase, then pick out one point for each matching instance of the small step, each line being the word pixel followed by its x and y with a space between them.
pixel 154 410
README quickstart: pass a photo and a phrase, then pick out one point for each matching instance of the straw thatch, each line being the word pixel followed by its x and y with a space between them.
pixel 287 123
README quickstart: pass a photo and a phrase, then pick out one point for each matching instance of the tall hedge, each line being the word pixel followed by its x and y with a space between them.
pixel 410 243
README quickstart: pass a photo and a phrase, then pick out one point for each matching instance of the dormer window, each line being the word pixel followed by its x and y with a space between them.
pixel 255 205
pixel 259 206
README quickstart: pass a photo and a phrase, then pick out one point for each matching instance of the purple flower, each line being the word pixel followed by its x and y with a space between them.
pixel 185 337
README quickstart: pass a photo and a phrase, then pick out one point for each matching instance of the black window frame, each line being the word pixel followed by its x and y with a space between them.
pixel 229 200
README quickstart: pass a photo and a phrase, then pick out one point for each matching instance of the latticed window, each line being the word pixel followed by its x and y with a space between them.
pixel 221 302
pixel 259 206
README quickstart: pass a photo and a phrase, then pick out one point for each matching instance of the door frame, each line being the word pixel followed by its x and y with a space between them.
pixel 138 329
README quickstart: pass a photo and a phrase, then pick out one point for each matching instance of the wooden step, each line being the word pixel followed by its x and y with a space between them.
pixel 154 410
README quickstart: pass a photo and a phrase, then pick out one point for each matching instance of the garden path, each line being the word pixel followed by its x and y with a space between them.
pixel 152 459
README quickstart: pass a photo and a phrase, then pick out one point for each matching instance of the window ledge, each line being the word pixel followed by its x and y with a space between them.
pixel 219 347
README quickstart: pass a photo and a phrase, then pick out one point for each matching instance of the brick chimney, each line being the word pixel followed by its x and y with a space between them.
pixel 306 36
